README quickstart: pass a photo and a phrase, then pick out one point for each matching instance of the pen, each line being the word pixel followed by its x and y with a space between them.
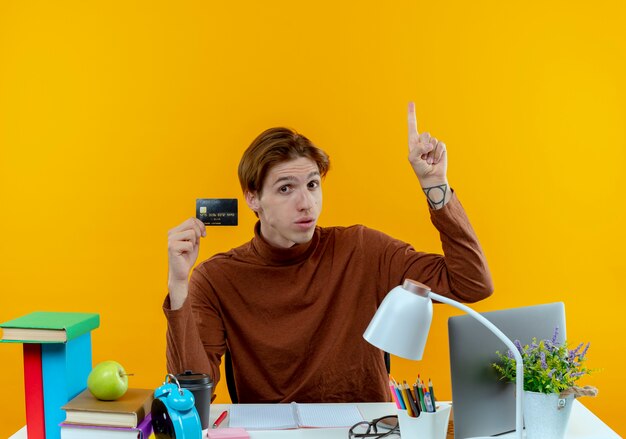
pixel 432 394
pixel 220 418
pixel 428 401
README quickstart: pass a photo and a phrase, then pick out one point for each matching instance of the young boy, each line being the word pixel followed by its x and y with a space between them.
pixel 291 305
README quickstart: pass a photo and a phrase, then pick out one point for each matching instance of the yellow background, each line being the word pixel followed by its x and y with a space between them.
pixel 115 116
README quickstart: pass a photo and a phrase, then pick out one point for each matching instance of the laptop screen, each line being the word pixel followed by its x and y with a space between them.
pixel 483 405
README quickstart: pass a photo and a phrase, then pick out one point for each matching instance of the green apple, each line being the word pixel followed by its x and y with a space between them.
pixel 108 381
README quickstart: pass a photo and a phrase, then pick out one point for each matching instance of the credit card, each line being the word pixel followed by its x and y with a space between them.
pixel 217 211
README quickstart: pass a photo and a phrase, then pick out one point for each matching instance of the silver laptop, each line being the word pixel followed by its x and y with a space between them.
pixel 484 405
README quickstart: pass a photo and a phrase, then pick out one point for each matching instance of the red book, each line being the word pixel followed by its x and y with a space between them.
pixel 33 390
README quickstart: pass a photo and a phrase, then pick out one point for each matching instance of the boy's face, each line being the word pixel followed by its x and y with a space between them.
pixel 290 202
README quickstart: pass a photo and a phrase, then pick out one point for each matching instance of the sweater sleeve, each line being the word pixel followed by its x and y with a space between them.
pixel 461 273
pixel 195 332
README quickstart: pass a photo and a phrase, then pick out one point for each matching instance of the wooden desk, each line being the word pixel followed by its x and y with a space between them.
pixel 583 424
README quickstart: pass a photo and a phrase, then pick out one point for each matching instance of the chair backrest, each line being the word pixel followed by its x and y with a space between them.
pixel 230 377
pixel 388 362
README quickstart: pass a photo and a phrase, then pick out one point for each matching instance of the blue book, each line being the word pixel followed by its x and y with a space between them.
pixel 65 368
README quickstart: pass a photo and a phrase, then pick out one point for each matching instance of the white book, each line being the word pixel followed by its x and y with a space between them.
pixel 79 431
pixel 294 415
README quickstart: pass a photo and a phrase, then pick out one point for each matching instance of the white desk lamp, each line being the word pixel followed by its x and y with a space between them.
pixel 401 324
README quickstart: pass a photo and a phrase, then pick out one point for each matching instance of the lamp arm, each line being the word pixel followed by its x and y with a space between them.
pixel 519 377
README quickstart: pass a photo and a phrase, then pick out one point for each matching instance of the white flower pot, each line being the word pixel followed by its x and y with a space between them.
pixel 546 415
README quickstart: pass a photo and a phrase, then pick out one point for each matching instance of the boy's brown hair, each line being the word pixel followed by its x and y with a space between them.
pixel 274 146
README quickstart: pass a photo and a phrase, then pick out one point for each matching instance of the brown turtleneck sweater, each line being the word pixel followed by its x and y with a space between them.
pixel 293 319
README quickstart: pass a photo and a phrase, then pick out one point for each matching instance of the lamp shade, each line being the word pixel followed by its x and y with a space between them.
pixel 402 321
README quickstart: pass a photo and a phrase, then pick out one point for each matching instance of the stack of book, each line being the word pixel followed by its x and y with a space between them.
pixel 128 417
pixel 57 362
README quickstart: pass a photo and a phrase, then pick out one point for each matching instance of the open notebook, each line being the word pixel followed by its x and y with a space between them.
pixel 284 416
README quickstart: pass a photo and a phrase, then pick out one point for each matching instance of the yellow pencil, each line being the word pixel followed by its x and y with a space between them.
pixel 405 397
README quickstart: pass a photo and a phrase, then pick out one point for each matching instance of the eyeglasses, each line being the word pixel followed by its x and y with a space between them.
pixel 375 429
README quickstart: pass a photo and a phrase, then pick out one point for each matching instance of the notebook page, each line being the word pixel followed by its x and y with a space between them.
pixel 262 416
pixel 328 415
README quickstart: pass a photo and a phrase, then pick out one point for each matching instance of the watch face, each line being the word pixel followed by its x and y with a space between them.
pixel 161 421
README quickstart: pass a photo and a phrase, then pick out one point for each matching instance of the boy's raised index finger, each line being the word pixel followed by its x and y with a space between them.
pixel 412 122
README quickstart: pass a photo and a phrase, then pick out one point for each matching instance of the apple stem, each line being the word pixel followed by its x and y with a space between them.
pixel 127 374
